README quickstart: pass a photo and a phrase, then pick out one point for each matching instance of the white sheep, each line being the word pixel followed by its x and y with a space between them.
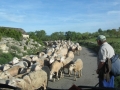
pixel 15 60
pixel 70 54
pixel 34 80
pixel 77 66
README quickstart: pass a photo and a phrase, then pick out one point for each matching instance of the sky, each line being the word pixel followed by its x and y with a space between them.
pixel 60 15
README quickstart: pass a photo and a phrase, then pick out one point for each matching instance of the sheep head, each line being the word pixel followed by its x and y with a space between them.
pixel 15 60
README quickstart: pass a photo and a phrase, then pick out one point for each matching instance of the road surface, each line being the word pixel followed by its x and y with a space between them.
pixel 89 76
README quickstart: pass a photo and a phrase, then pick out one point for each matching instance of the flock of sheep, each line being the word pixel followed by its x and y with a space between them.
pixel 32 72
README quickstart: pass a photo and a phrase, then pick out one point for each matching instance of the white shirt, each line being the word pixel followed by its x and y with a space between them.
pixel 106 51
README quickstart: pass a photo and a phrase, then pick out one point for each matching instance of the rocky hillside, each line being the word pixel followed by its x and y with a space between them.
pixel 19 47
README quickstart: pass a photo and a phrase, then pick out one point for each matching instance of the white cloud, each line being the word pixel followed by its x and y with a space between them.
pixel 11 17
pixel 113 12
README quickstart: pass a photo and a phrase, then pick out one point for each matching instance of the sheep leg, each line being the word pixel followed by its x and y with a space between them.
pixel 61 74
pixel 70 73
pixel 79 74
pixel 75 76
pixel 62 71
pixel 78 52
pixel 45 84
pixel 57 75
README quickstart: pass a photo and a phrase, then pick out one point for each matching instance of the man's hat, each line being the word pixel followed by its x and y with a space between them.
pixel 101 38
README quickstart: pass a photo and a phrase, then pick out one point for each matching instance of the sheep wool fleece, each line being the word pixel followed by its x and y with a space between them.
pixel 37 78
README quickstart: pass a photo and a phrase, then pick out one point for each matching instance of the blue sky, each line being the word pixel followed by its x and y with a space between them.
pixel 60 15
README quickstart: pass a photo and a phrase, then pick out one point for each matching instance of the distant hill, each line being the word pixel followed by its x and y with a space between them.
pixel 19 29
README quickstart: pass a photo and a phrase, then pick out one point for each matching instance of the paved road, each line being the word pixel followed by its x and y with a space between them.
pixel 89 77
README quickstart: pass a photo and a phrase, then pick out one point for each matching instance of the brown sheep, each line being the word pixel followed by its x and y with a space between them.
pixel 55 68
pixel 77 66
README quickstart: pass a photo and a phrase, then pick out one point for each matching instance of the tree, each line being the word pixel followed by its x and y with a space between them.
pixel 100 31
pixel 40 34
pixel 85 35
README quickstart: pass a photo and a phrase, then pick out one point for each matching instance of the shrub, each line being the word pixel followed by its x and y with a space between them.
pixel 25 48
pixel 117 81
pixel 5 58
pixel 16 48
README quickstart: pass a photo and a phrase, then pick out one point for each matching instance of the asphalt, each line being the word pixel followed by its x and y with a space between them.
pixel 89 76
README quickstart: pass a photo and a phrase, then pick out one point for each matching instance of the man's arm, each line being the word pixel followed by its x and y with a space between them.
pixel 99 66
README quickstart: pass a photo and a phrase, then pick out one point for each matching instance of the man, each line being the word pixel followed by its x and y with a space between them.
pixel 105 51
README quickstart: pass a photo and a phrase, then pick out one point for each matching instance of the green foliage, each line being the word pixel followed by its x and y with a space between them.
pixel 116 46
pixel 5 58
pixel 15 48
pixel 25 48
pixel 27 42
pixel 0 37
pixel 117 81
pixel 11 32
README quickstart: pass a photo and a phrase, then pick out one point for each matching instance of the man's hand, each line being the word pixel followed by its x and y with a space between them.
pixel 97 71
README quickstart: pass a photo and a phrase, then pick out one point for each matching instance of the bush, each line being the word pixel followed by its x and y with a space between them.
pixel 16 48
pixel 25 48
pixel 117 81
pixel 5 58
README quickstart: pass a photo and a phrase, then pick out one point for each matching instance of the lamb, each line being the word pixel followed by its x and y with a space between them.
pixel 66 62
pixel 33 80
pixel 55 68
pixel 77 66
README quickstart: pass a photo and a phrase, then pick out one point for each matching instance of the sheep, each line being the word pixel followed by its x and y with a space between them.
pixel 42 54
pixel 52 59
pixel 20 83
pixel 27 57
pixel 70 54
pixel 62 51
pixel 77 66
pixel 5 67
pixel 11 72
pixel 15 60
pixel 78 49
pixel 32 81
pixel 23 63
pixel 3 81
pixel 33 67
pixel 66 62
pixel 55 68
